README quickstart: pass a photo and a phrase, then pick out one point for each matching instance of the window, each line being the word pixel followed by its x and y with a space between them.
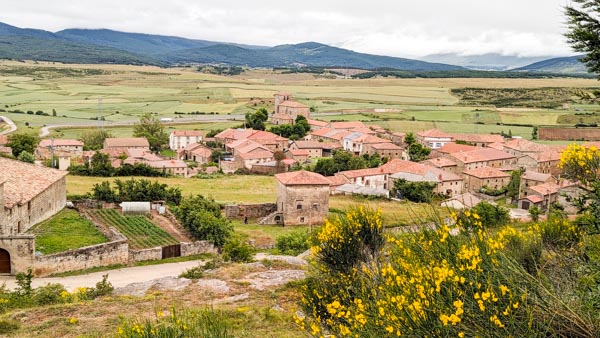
pixel 299 206
pixel 315 206
pixel 301 219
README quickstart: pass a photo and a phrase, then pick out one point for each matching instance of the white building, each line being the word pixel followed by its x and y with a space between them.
pixel 179 139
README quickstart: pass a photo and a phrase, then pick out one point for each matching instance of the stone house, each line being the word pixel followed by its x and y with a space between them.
pixel 444 164
pixel 387 149
pixel 478 140
pixel 195 152
pixel 302 198
pixel 73 147
pixel 433 138
pixel 328 135
pixel 483 157
pixel 256 156
pixel 356 142
pixel 122 143
pixel 447 183
pixel 373 178
pixel 348 126
pixel 547 192
pixel 29 194
pixel 520 147
pixel 532 178
pixel 489 177
pixel 298 155
pixel 287 110
pixel 313 148
pixel 316 124
pixel 179 139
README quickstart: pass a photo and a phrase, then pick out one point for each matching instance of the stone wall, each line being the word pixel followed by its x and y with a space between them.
pixel 196 248
pixel 151 254
pixel 21 250
pixel 303 204
pixel 116 252
pixel 253 211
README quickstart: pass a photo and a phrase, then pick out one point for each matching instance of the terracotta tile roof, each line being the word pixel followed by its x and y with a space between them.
pixel 316 123
pixel 202 152
pixel 386 146
pixel 478 138
pixel 338 180
pixel 331 133
pixel 23 181
pixel 451 148
pixel 331 145
pixel 362 172
pixel 60 143
pixel 259 153
pixel 436 133
pixel 125 142
pixel 293 104
pixel 546 188
pixel 523 145
pixel 395 165
pixel 234 134
pixel 364 130
pixel 441 162
pixel 427 173
pixel 534 198
pixel 482 155
pixel 309 144
pixel 261 136
pixel 193 133
pixel 486 172
pixel 547 156
pixel 346 125
pixel 288 161
pixel 498 146
pixel 535 176
pixel 302 177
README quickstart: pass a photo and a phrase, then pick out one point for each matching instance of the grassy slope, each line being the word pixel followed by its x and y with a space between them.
pixel 64 231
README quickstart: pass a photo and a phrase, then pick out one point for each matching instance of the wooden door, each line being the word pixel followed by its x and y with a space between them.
pixel 4 261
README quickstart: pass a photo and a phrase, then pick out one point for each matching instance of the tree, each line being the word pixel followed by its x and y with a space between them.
pixel 419 192
pixel 535 212
pixel 215 156
pixel 202 217
pixel 94 139
pixel 53 112
pixel 341 160
pixel 257 119
pixel 416 151
pixel 514 184
pixel 492 215
pixel 103 192
pixel 100 165
pixel 151 128
pixel 580 163
pixel 25 156
pixel 584 31
pixel 22 142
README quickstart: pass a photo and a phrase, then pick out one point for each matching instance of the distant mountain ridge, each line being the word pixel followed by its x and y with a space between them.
pixel 488 61
pixel 561 65
pixel 108 46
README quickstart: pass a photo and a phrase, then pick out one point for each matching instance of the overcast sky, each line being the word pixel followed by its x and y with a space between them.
pixel 390 27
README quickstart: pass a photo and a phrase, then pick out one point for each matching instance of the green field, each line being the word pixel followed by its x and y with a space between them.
pixel 66 230
pixel 118 93
pixel 141 233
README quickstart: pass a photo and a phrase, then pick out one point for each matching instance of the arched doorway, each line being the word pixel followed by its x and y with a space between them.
pixel 4 262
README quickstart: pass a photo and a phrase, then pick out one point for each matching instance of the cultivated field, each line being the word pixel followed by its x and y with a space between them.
pixel 141 233
pixel 80 94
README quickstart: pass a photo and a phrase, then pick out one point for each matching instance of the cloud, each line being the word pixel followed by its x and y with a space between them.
pixel 399 28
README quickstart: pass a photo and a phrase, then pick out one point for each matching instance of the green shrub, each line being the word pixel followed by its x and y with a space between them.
pixel 557 231
pixel 236 250
pixel 48 294
pixel 526 251
pixel 185 323
pixel 293 243
pixel 193 273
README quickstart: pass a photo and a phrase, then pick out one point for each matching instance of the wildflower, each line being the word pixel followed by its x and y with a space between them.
pixel 504 289
pixel 389 329
pixel 73 320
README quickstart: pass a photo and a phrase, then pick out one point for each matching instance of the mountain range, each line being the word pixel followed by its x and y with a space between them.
pixel 108 46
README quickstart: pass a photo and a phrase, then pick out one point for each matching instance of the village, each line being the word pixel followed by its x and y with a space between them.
pixel 461 169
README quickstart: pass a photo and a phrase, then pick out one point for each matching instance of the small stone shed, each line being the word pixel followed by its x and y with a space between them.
pixel 302 197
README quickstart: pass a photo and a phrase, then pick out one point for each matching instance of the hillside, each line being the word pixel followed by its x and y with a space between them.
pixel 108 46
pixel 562 65
pixel 23 47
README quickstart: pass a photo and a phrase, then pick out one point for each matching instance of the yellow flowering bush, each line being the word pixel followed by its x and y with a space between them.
pixel 580 163
pixel 449 280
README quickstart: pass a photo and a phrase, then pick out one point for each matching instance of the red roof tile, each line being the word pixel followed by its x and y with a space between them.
pixel 194 133
pixel 302 177
pixel 434 133
pixel 482 155
pixel 486 172
pixel 23 181
pixel 60 143
pixel 451 148
pixel 293 104
pixel 125 142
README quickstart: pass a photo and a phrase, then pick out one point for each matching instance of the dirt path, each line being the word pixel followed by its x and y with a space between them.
pixel 118 278
pixel 12 126
pixel 169 227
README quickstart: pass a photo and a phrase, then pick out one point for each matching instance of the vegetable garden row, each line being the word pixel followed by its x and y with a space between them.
pixel 140 232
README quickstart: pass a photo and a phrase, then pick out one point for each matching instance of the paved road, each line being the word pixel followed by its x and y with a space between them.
pixel 11 124
pixel 118 278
